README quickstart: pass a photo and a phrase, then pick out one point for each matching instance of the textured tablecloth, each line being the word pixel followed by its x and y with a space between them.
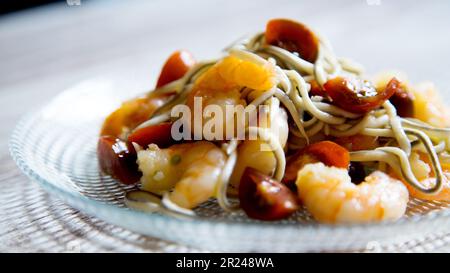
pixel 46 50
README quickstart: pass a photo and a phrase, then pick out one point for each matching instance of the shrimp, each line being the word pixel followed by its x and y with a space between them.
pixel 190 170
pixel 443 195
pixel 330 196
pixel 221 85
pixel 133 112
pixel 421 168
pixel 253 153
pixel 428 105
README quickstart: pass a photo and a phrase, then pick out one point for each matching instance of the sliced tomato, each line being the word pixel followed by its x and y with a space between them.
pixel 358 142
pixel 159 134
pixel 118 159
pixel 132 113
pixel 175 67
pixel 358 96
pixel 327 152
pixel 294 37
pixel 357 172
pixel 317 90
pixel 264 198
pixel 403 101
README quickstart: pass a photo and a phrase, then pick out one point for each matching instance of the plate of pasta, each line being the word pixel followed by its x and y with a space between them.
pixel 276 136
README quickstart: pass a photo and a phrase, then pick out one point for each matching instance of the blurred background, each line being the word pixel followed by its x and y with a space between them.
pixel 47 47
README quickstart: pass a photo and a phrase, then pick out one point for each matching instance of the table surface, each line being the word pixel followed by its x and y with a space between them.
pixel 47 50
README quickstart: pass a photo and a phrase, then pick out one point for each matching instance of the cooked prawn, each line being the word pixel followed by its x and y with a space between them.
pixel 443 195
pixel 221 85
pixel 429 107
pixel 252 153
pixel 190 170
pixel 233 72
pixel 428 104
pixel 330 196
pixel 424 173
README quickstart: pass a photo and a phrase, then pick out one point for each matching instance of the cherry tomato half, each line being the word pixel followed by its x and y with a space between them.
pixel 294 37
pixel 358 96
pixel 159 134
pixel 358 142
pixel 403 102
pixel 263 198
pixel 357 172
pixel 118 159
pixel 135 111
pixel 132 113
pixel 175 67
pixel 317 90
pixel 327 152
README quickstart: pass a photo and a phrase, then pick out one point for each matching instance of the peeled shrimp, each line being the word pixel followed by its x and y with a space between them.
pixel 190 170
pixel 424 173
pixel 428 104
pixel 221 86
pixel 254 153
pixel 330 196
pixel 443 195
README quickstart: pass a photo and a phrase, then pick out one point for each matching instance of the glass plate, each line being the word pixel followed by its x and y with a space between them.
pixel 56 147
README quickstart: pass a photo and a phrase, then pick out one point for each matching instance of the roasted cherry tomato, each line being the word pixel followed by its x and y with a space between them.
pixel 358 96
pixel 327 152
pixel 159 134
pixel 317 90
pixel 132 113
pixel 358 142
pixel 294 37
pixel 263 198
pixel 403 102
pixel 135 111
pixel 175 67
pixel 118 159
pixel 357 172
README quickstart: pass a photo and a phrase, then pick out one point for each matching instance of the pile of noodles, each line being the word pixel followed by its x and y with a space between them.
pixel 312 116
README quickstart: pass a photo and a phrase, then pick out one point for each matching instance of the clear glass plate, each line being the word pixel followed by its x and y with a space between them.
pixel 56 147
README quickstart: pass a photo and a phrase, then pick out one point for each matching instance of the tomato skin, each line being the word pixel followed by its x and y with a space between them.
pixel 135 111
pixel 176 66
pixel 159 134
pixel 327 152
pixel 263 198
pixel 132 113
pixel 403 101
pixel 358 142
pixel 358 96
pixel 317 90
pixel 294 37
pixel 330 153
pixel 357 172
pixel 118 159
